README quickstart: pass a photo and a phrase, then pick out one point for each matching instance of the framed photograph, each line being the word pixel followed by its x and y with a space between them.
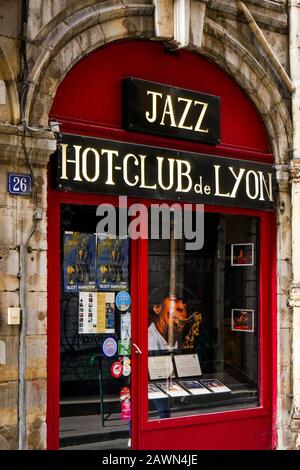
pixel 242 254
pixel 242 320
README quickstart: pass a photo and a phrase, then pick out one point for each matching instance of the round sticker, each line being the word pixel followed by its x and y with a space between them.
pixel 123 300
pixel 126 370
pixel 109 347
pixel 126 366
pixel 116 369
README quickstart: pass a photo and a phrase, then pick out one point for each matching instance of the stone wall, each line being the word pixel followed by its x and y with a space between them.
pixel 59 34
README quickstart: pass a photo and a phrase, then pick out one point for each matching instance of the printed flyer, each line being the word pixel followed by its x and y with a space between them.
pixel 112 264
pixel 96 312
pixel 79 261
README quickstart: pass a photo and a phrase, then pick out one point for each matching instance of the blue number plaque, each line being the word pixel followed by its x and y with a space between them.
pixel 18 183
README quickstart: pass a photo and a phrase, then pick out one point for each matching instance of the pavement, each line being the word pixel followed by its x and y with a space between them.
pixel 87 432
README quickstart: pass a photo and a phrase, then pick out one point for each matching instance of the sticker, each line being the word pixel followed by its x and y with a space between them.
pixel 109 347
pixel 124 347
pixel 126 367
pixel 126 325
pixel 125 403
pixel 123 300
pixel 116 369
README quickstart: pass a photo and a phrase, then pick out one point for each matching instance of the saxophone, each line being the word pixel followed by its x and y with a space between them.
pixel 194 332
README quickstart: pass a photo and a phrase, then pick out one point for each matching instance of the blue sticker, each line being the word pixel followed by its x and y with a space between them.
pixel 109 347
pixel 123 300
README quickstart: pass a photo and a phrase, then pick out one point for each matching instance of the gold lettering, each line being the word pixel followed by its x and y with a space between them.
pixel 184 114
pixel 168 109
pixel 263 184
pixel 154 106
pixel 256 185
pixel 76 162
pixel 217 180
pixel 110 155
pixel 180 174
pixel 171 173
pixel 238 180
pixel 125 169
pixel 84 164
pixel 143 174
pixel 201 117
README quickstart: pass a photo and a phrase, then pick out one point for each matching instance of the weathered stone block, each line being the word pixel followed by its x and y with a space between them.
pixel 36 271
pixel 36 355
pixel 284 353
pixel 9 370
pixel 38 241
pixel 8 233
pixel 164 18
pixel 91 38
pixel 10 22
pixel 9 261
pixel 8 438
pixel 283 277
pixel 36 313
pixel 36 400
pixel 284 312
pixel 36 435
pixel 8 404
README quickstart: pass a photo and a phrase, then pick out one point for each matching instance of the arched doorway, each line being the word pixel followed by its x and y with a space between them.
pixel 89 103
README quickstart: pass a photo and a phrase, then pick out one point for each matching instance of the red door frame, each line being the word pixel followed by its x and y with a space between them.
pixel 146 434
pixel 55 199
pixel 232 422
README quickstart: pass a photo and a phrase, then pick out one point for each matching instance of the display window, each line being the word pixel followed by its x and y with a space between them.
pixel 204 320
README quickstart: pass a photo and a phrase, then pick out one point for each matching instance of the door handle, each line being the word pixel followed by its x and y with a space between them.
pixel 137 349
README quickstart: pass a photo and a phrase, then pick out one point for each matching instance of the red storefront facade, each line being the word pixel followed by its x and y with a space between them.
pixel 89 103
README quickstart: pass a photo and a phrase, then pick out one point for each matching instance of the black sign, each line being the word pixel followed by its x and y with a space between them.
pixel 173 112
pixel 109 167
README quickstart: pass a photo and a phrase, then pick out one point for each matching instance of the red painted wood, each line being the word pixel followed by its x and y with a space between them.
pixel 238 429
pixel 88 102
pixel 91 91
pixel 53 322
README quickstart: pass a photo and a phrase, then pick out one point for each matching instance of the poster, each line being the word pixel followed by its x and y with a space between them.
pixel 79 261
pixel 242 254
pixel 112 264
pixel 96 312
pixel 242 320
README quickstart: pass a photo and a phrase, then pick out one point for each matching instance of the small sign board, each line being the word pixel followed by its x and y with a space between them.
pixel 20 184
pixel 160 173
pixel 160 109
